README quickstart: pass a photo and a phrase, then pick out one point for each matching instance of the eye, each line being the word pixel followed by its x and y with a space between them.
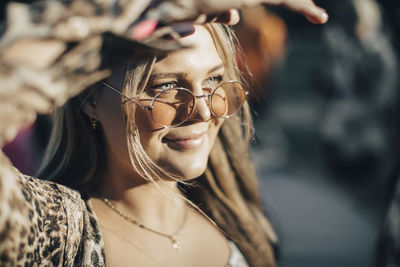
pixel 164 86
pixel 214 80
pixel 158 88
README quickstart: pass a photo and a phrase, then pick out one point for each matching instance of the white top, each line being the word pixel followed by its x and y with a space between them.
pixel 236 258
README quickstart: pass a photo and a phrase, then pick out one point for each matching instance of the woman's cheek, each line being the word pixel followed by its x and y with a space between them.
pixel 149 133
pixel 144 121
pixel 166 114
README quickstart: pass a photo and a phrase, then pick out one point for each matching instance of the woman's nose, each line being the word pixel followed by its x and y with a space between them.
pixel 202 110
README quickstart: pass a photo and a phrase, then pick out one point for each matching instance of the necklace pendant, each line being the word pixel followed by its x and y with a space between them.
pixel 176 244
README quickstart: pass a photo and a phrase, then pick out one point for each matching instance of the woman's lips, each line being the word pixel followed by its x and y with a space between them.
pixel 184 142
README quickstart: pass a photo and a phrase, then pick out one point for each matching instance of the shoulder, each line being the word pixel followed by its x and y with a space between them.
pixel 40 221
pixel 51 197
pixel 76 220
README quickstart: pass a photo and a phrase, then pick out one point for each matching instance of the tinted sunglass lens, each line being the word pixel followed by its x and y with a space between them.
pixel 172 107
pixel 227 99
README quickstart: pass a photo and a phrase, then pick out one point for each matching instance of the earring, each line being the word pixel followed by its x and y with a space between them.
pixel 93 121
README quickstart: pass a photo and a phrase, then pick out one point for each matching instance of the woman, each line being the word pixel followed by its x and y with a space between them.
pixel 133 158
pixel 131 146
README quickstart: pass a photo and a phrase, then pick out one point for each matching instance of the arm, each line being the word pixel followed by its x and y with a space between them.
pixel 42 222
pixel 32 220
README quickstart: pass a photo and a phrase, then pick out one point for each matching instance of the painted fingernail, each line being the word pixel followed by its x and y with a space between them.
pixel 183 29
pixel 144 29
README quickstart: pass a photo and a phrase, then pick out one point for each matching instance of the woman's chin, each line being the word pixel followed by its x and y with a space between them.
pixel 186 171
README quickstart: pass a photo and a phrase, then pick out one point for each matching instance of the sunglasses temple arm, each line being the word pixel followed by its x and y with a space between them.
pixel 127 98
pixel 137 103
pixel 115 90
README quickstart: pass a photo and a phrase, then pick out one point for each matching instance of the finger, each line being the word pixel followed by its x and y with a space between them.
pixel 320 18
pixel 317 15
pixel 309 9
pixel 230 17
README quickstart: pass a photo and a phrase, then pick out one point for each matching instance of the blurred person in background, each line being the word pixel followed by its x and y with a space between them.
pixel 389 243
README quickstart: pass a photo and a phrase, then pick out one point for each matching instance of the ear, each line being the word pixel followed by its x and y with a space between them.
pixel 89 106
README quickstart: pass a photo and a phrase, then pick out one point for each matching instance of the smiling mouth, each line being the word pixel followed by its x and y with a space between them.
pixel 185 142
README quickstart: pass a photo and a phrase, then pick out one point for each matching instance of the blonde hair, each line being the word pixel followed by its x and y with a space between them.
pixel 227 192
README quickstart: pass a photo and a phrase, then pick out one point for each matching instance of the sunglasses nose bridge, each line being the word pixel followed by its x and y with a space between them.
pixel 207 99
pixel 202 109
pixel 205 96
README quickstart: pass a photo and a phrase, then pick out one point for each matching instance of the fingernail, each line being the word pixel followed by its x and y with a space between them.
pixel 235 17
pixel 323 14
pixel 144 29
pixel 183 29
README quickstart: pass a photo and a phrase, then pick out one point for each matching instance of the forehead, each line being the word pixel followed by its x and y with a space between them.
pixel 199 54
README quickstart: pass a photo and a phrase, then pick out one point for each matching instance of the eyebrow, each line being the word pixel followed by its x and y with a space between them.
pixel 180 75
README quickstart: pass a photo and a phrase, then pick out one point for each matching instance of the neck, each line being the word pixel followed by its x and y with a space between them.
pixel 155 204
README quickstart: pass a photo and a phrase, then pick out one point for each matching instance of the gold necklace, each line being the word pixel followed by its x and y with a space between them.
pixel 174 241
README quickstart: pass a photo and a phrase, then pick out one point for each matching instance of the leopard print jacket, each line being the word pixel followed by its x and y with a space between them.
pixel 46 224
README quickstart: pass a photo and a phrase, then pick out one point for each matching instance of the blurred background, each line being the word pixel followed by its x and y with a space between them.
pixel 326 143
pixel 326 130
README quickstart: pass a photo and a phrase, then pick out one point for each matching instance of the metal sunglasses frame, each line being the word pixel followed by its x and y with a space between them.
pixel 195 97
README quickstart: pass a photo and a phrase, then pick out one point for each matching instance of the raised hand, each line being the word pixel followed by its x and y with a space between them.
pixel 224 11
